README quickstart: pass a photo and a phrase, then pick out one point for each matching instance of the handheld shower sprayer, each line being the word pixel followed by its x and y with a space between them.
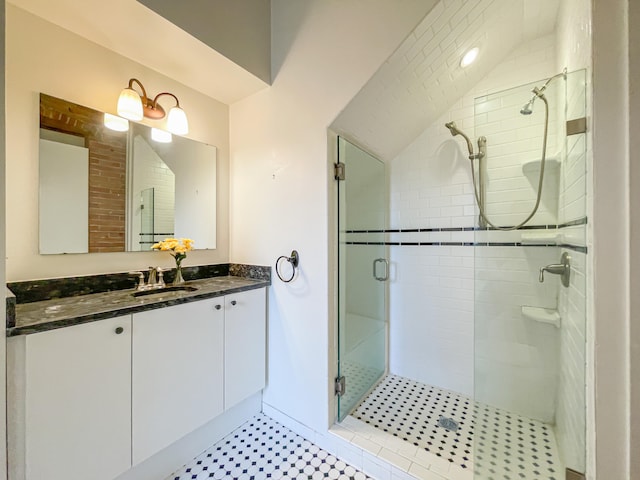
pixel 479 187
pixel 481 141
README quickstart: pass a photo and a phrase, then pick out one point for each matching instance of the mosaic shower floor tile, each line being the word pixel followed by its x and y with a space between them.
pixel 497 444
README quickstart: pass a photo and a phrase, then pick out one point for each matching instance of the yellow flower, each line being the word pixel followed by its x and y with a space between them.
pixel 179 247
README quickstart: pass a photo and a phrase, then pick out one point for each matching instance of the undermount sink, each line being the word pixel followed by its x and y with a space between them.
pixel 170 288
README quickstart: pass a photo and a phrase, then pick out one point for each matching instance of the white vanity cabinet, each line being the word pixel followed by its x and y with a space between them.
pixel 245 334
pixel 92 400
pixel 193 361
pixel 177 365
pixel 71 415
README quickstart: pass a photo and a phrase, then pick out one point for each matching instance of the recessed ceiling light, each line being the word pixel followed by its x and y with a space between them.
pixel 469 57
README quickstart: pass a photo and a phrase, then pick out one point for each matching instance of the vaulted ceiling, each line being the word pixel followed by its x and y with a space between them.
pixel 423 78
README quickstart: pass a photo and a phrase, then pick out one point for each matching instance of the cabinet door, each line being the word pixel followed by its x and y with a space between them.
pixel 78 401
pixel 245 345
pixel 177 373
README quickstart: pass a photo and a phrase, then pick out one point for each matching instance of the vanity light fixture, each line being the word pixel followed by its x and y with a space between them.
pixel 113 122
pixel 161 136
pixel 469 57
pixel 135 107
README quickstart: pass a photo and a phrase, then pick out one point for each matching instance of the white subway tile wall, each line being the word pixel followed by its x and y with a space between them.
pixel 151 171
pixel 570 414
pixel 431 303
pixel 529 368
pixel 431 293
pixel 516 359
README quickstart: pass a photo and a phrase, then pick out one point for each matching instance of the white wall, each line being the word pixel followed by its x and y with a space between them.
pixel 3 356
pixel 42 57
pixel 325 51
pixel 634 336
pixel 610 249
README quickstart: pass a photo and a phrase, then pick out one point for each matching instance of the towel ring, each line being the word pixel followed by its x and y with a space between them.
pixel 294 259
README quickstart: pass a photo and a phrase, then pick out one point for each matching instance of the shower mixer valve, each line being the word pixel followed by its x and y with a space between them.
pixel 563 269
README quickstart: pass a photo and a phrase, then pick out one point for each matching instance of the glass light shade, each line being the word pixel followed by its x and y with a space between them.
pixel 469 57
pixel 130 104
pixel 177 121
pixel 161 136
pixel 113 122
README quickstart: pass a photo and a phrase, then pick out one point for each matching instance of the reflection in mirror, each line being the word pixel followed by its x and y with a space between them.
pixel 108 191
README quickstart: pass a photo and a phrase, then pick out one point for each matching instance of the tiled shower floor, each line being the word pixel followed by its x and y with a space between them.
pixel 264 449
pixel 507 446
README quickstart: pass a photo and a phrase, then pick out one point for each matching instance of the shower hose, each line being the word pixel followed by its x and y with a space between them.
pixel 481 206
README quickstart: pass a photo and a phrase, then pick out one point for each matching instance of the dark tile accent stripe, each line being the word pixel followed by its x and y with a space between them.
pixel 571 223
pixel 576 248
pixel 38 290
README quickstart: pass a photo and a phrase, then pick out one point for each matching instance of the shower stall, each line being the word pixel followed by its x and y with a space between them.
pixel 462 288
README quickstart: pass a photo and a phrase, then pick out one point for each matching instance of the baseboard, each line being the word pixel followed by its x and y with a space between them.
pixel 178 454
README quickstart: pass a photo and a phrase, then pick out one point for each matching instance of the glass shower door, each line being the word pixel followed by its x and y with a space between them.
pixel 530 330
pixel 362 273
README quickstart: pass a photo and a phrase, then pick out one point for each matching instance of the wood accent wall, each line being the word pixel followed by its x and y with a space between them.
pixel 107 168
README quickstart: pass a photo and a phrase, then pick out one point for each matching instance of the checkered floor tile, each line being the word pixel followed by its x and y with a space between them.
pixel 264 449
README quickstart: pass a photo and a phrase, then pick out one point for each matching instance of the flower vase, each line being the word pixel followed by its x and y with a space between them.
pixel 178 279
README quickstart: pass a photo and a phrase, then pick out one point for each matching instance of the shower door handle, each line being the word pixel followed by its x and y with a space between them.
pixel 385 277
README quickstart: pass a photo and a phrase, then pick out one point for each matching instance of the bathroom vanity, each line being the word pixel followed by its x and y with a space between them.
pixel 101 382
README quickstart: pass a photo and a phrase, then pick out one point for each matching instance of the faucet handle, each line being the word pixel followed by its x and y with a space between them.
pixel 563 269
pixel 140 279
pixel 161 271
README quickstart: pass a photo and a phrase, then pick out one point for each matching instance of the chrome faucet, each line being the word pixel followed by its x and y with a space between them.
pixel 152 278
pixel 155 279
pixel 563 269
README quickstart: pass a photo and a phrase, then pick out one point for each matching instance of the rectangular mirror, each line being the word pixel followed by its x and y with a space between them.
pixel 103 190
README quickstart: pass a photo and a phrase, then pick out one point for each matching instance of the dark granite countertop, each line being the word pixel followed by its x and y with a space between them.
pixel 62 312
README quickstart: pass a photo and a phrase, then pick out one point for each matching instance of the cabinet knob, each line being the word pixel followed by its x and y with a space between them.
pixel 218 307
pixel 119 330
pixel 233 302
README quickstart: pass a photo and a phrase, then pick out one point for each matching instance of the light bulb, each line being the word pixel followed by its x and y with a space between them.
pixel 130 104
pixel 177 121
pixel 113 122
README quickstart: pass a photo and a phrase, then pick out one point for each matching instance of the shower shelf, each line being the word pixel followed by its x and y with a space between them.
pixel 539 238
pixel 542 315
pixel 551 164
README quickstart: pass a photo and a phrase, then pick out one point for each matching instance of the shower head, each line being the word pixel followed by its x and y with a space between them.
pixel 527 108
